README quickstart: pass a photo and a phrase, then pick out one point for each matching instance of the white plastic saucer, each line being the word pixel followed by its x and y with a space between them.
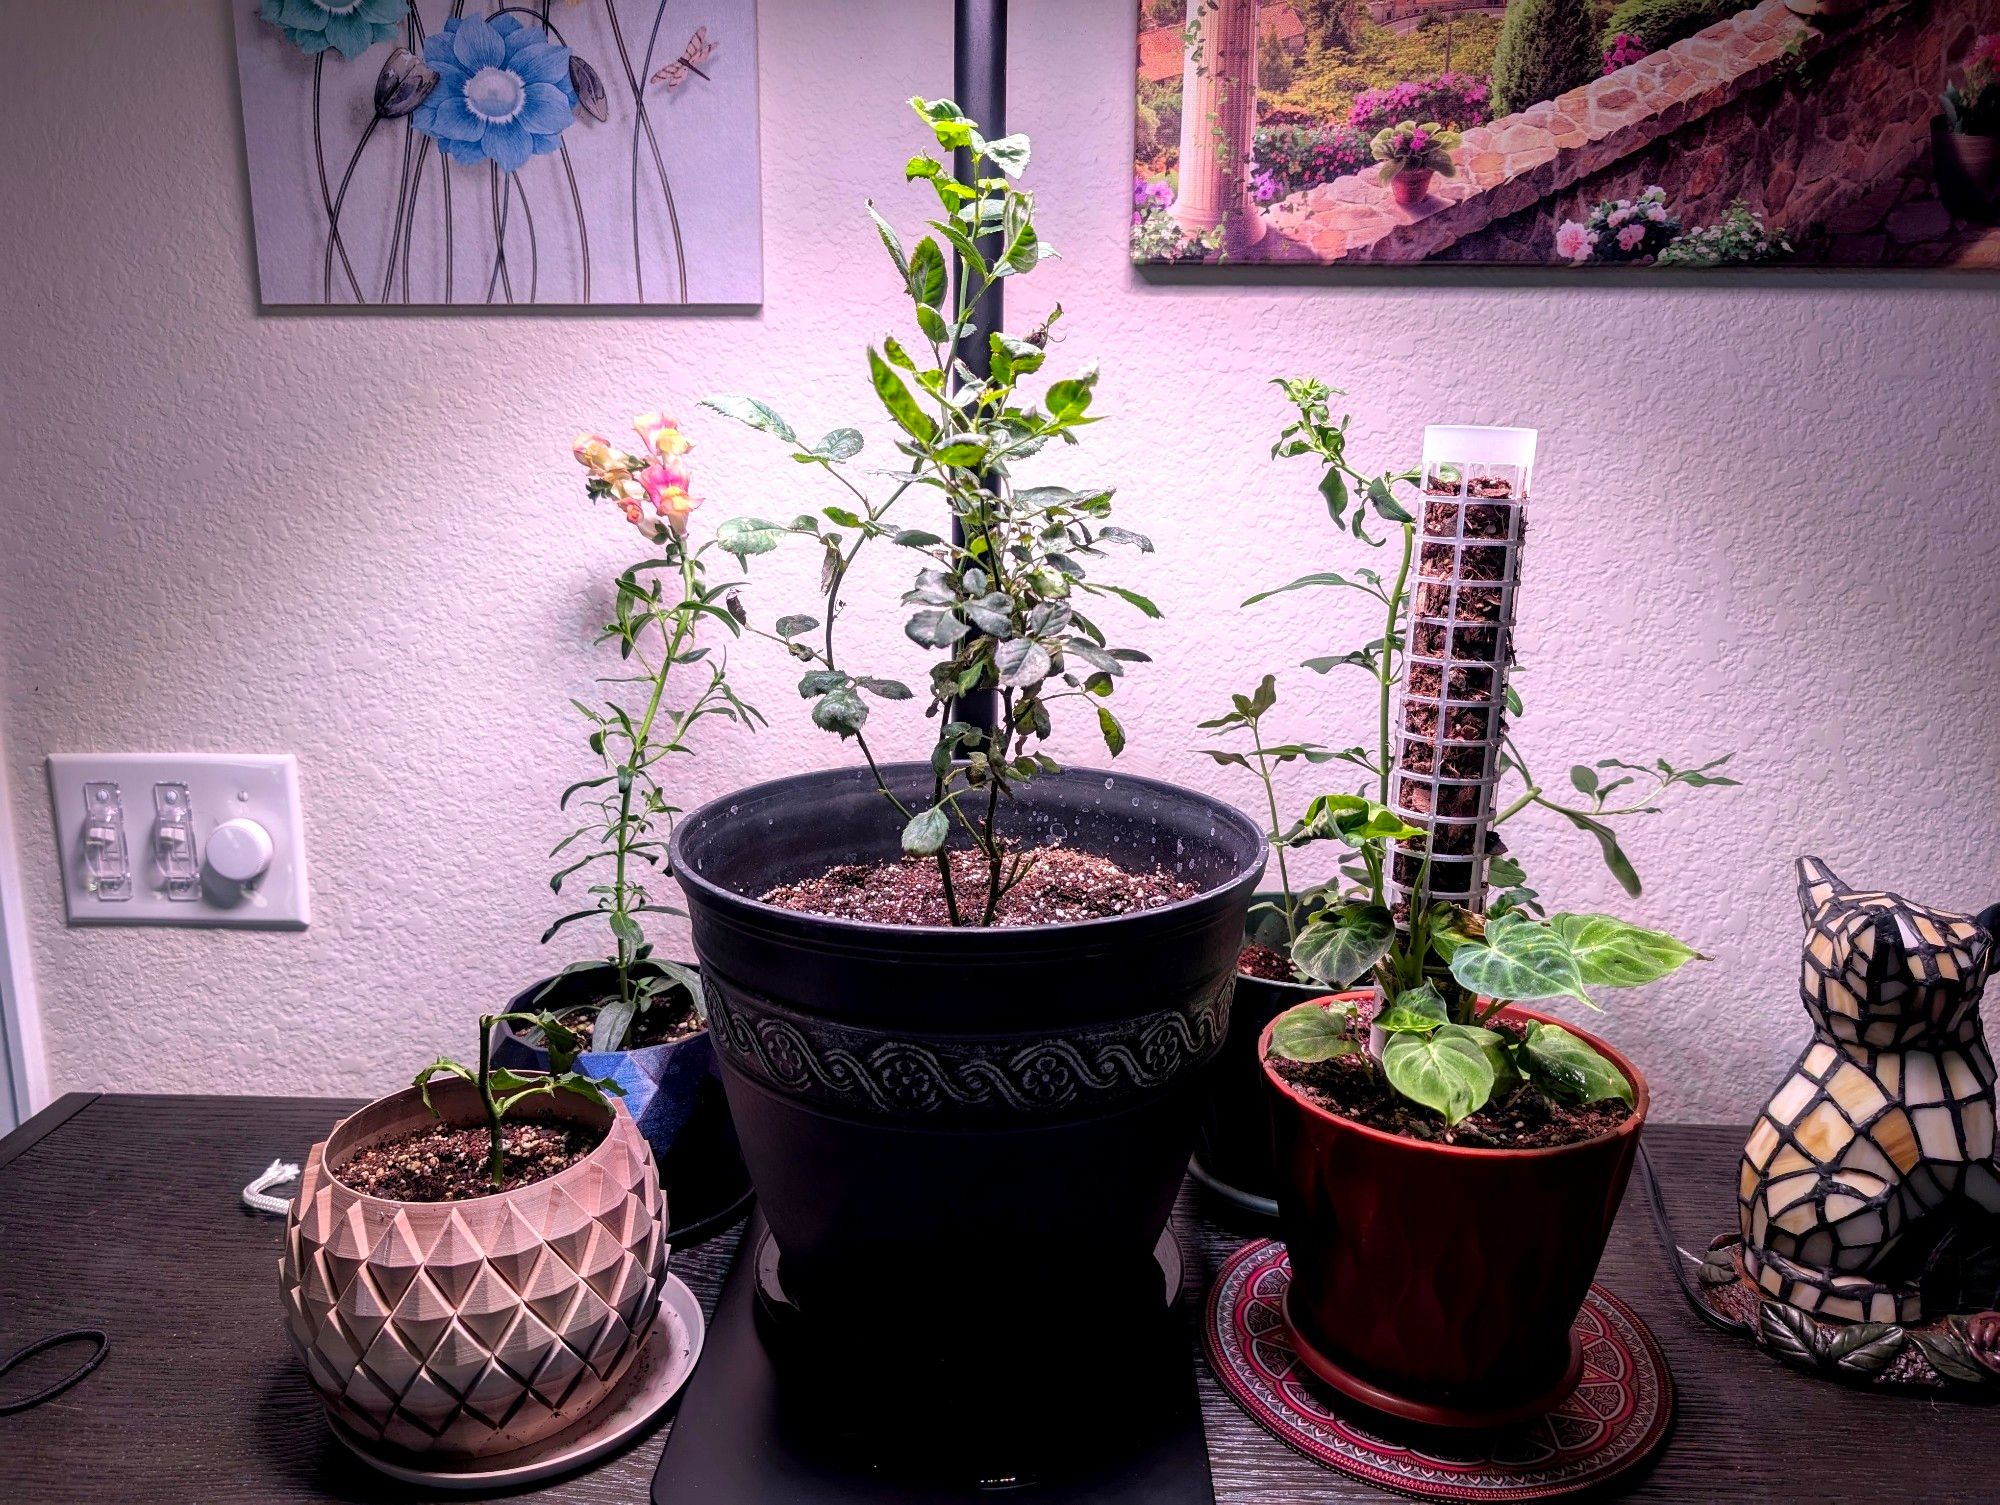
pixel 666 1358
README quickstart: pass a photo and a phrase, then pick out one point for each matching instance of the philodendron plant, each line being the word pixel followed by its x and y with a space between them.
pixel 501 1090
pixel 660 602
pixel 1004 608
pixel 1442 974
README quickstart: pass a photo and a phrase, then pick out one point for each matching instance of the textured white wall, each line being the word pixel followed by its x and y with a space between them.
pixel 1764 524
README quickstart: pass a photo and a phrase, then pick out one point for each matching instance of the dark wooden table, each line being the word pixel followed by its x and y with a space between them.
pixel 121 1213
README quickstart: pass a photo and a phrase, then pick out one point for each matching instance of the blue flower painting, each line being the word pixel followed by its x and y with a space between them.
pixel 480 153
pixel 349 27
pixel 503 93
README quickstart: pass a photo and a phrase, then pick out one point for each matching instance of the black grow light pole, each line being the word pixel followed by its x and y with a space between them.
pixel 979 87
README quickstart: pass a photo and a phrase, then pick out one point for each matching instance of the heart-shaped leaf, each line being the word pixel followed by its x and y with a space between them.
pixel 1340 945
pixel 1314 1032
pixel 1566 1067
pixel 1415 1011
pixel 1611 953
pixel 1446 1071
pixel 1519 958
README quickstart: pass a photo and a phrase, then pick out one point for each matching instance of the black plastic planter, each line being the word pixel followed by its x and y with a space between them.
pixel 969 1137
pixel 1233 1155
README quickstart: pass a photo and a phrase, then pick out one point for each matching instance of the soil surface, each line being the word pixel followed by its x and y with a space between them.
pixel 441 1164
pixel 1527 1120
pixel 658 1025
pixel 1261 961
pixel 1061 886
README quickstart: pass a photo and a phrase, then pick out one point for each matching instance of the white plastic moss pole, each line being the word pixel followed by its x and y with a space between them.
pixel 1451 712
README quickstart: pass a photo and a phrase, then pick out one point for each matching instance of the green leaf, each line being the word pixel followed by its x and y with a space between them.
pixel 791 627
pixel 1341 944
pixel 897 399
pixel 1519 959
pixel 1415 1011
pixel 887 689
pixel 749 410
pixel 1446 1071
pixel 1611 953
pixel 1866 1348
pixel 1565 1066
pixel 1386 506
pixel 1949 1356
pixel 1333 486
pixel 744 536
pixel 841 444
pixel 840 710
pixel 1131 598
pixel 935 629
pixel 1614 855
pixel 1305 582
pixel 1068 399
pixel 1009 154
pixel 1314 1032
pixel 964 454
pixel 993 613
pixel 819 681
pixel 927 273
pixel 890 240
pixel 1584 778
pixel 1023 663
pixel 1114 734
pixel 925 835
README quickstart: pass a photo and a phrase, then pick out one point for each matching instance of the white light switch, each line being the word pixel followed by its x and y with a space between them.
pixel 209 839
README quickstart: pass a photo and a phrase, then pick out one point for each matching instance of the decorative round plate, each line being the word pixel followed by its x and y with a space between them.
pixel 664 1362
pixel 1615 1420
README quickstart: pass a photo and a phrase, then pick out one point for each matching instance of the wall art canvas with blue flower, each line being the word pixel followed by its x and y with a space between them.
pixel 452 152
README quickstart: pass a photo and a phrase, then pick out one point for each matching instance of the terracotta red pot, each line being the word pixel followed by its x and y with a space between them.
pixel 1412 185
pixel 1435 1282
pixel 1968 173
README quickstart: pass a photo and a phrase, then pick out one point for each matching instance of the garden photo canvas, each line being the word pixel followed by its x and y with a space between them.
pixel 1567 133
pixel 432 152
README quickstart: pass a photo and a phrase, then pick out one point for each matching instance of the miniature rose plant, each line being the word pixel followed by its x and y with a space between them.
pixel 1620 230
pixel 1410 147
pixel 659 604
pixel 1007 610
pixel 1443 975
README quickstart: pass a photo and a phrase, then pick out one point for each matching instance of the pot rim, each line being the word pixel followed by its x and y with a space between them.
pixel 456 1087
pixel 715 893
pixel 1641 1094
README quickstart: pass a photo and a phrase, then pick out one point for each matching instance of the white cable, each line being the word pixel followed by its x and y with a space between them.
pixel 253 1195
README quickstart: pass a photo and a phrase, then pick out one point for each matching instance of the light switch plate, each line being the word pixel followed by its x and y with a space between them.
pixel 221 787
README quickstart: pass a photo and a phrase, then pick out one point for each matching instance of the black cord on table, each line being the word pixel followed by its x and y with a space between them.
pixel 1658 1203
pixel 94 1336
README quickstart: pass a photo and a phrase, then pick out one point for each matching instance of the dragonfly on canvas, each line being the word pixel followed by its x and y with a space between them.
pixel 697 52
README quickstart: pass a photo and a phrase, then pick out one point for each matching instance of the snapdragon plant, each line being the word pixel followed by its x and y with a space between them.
pixel 660 603
pixel 1005 609
pixel 502 1090
pixel 1444 974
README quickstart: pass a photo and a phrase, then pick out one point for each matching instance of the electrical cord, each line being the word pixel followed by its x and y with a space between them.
pixel 1671 1249
pixel 91 1335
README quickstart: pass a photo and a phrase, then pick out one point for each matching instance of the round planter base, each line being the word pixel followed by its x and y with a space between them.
pixel 898 1399
pixel 1431 1412
pixel 1610 1425
pixel 1235 1196
pixel 665 1360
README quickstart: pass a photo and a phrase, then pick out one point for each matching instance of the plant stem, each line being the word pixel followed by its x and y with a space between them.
pixel 1290 905
pixel 496 1158
pixel 1385 668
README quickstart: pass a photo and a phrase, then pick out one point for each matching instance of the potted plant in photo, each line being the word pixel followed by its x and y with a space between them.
pixel 1411 155
pixel 472 1264
pixel 963 1000
pixel 641 1015
pixel 1965 139
pixel 1450 1162
pixel 1234 1156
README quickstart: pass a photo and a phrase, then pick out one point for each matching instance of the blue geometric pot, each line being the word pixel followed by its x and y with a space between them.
pixel 674 1094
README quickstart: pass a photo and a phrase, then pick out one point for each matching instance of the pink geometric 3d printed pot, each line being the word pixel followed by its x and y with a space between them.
pixel 461 1329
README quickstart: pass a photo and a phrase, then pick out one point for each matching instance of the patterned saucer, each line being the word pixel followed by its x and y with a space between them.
pixel 1616 1419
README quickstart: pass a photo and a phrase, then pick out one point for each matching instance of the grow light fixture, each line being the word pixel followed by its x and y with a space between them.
pixel 1451 710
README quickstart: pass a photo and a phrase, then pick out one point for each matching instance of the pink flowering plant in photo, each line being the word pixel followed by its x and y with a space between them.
pixel 1410 147
pixel 1460 100
pixel 620 849
pixel 1972 105
pixel 1625 49
pixel 1289 159
pixel 1620 230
